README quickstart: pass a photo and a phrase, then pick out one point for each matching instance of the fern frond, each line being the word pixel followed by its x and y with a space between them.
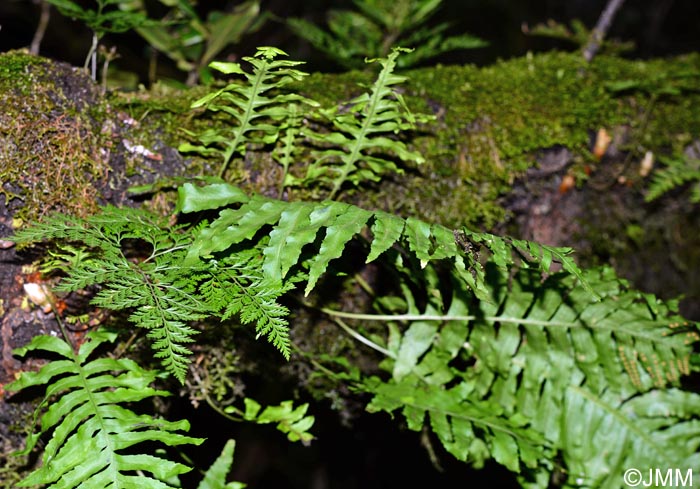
pixel 237 285
pixel 151 284
pixel 84 412
pixel 298 224
pixel 164 293
pixel 544 354
pixel 362 134
pixel 256 112
pixel 676 172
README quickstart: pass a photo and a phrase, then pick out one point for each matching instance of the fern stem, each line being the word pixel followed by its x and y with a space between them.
pixel 223 413
pixel 362 339
pixel 440 317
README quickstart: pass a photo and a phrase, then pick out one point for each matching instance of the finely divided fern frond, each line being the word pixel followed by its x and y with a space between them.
pixel 150 285
pixel 237 285
pixel 164 295
pixel 85 412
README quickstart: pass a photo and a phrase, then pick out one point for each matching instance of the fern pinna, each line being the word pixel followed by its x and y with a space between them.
pixel 84 410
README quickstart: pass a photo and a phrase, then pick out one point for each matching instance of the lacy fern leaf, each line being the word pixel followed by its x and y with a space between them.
pixel 150 285
pixel 84 412
pixel 237 285
pixel 164 295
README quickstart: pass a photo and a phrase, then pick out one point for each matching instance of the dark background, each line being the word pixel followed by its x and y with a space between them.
pixel 657 27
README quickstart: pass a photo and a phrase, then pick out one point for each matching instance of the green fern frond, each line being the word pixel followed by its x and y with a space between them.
pixel 237 285
pixel 296 225
pixel 151 285
pixel 676 172
pixel 215 476
pixel 256 112
pixel 84 412
pixel 164 294
pixel 542 356
pixel 371 31
pixel 354 149
pixel 658 429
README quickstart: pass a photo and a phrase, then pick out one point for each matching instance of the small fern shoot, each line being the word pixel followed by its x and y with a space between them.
pixel 356 150
pixel 94 436
pixel 676 172
pixel 255 112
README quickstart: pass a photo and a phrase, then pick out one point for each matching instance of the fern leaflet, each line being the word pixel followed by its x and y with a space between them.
pixel 215 477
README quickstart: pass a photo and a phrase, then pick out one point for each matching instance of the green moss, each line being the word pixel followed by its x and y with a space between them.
pixel 490 124
pixel 52 150
pixel 493 120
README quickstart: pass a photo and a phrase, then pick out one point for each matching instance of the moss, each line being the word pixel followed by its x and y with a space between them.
pixel 51 144
pixel 491 122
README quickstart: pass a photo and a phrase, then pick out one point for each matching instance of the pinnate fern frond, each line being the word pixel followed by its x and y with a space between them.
pixel 257 113
pixel 355 151
pixel 86 412
pixel 295 225
pixel 676 172
pixel 542 356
